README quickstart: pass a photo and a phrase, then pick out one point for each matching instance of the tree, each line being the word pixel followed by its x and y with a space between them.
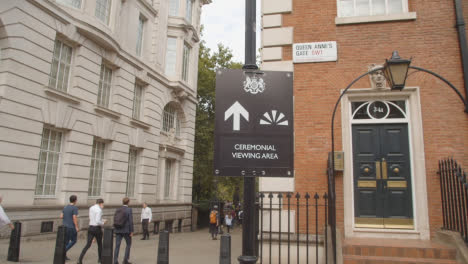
pixel 205 185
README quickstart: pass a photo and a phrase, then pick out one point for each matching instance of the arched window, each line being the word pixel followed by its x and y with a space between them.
pixel 379 110
pixel 171 120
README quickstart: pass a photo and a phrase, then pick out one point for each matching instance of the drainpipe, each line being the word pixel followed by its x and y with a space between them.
pixel 463 44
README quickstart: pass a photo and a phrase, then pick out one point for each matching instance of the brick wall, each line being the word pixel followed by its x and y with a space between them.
pixel 431 40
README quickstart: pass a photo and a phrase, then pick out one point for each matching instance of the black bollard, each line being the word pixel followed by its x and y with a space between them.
pixel 107 254
pixel 225 250
pixel 15 239
pixel 163 248
pixel 59 255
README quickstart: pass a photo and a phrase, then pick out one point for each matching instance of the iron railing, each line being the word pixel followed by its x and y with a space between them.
pixel 299 210
pixel 454 192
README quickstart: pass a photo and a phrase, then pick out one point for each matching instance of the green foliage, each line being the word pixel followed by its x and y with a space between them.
pixel 204 182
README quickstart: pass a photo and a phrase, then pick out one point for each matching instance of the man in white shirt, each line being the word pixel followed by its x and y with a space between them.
pixel 94 230
pixel 146 216
pixel 4 220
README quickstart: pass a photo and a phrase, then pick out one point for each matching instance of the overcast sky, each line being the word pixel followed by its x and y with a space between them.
pixel 224 22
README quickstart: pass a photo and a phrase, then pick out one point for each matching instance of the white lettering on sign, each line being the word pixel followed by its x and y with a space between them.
pixel 315 52
pixel 254 147
pixel 254 151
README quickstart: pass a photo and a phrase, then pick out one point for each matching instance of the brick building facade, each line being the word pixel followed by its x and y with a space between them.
pixel 366 32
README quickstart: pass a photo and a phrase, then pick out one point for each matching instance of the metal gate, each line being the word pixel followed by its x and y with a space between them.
pixel 292 228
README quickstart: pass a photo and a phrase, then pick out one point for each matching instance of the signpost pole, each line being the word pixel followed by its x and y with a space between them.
pixel 250 35
pixel 248 222
pixel 248 227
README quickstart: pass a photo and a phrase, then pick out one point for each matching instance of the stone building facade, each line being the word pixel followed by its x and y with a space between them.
pixel 97 99
pixel 429 115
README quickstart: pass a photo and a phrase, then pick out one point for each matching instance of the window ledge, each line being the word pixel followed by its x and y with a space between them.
pixel 44 197
pixel 140 123
pixel 107 112
pixel 371 19
pixel 166 134
pixel 62 95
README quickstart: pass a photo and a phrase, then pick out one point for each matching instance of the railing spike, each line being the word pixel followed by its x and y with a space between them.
pixel 298 195
pixel 316 196
pixel 307 196
pixel 270 195
pixel 280 195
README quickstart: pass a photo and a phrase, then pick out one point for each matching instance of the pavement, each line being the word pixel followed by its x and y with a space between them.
pixel 189 247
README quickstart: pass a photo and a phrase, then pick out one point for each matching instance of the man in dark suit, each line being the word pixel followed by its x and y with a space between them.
pixel 125 232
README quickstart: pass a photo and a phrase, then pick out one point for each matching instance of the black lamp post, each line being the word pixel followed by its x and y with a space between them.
pixel 396 71
pixel 248 222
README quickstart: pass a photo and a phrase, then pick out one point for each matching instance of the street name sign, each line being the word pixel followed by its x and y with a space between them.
pixel 254 126
pixel 315 52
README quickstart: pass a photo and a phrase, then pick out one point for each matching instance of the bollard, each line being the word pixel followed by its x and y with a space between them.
pixel 59 255
pixel 15 239
pixel 163 248
pixel 107 254
pixel 225 250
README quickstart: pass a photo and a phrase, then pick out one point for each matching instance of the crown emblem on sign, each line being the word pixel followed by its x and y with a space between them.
pixel 254 85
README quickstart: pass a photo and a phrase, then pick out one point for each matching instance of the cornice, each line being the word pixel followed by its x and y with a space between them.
pixel 149 7
pixel 58 15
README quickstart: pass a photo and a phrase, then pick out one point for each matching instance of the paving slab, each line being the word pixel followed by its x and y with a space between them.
pixel 189 247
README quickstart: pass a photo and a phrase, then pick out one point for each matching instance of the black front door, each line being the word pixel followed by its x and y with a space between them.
pixel 382 176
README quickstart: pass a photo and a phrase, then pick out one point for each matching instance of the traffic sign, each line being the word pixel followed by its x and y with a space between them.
pixel 254 125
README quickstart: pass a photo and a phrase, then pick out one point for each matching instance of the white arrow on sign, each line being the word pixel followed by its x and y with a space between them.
pixel 236 110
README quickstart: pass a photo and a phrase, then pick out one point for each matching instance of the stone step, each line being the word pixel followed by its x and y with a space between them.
pixel 348 259
pixel 398 248
pixel 401 251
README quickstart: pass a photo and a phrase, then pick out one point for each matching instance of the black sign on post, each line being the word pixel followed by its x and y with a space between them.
pixel 254 124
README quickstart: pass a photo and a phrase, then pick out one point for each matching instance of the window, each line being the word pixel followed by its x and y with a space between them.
pixel 168 177
pixel 349 8
pixel 47 226
pixel 61 62
pixel 131 173
pixel 141 23
pixel 186 63
pixel 188 13
pixel 137 99
pixel 104 86
pixel 103 10
pixel 48 162
pixel 171 120
pixel 173 7
pixel 72 3
pixel 378 110
pixel 96 169
pixel 171 56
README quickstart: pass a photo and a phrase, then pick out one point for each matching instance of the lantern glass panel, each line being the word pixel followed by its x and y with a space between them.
pixel 398 73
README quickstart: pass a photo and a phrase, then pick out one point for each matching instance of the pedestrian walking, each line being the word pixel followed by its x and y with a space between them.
pixel 214 223
pixel 228 221
pixel 70 221
pixel 95 229
pixel 4 220
pixel 123 223
pixel 241 216
pixel 233 216
pixel 237 215
pixel 146 217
